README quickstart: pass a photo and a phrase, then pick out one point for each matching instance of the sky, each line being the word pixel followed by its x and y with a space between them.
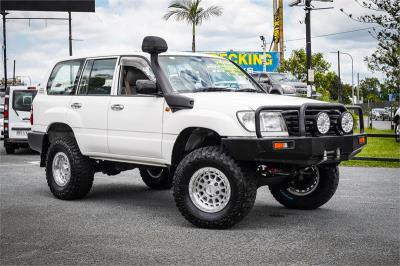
pixel 119 26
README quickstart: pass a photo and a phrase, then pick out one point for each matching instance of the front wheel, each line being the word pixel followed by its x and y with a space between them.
pixel 313 188
pixel 156 178
pixel 397 131
pixel 211 190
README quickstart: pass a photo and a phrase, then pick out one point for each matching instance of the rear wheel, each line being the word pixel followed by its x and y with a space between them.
pixel 211 190
pixel 397 131
pixel 312 189
pixel 156 177
pixel 10 149
pixel 69 174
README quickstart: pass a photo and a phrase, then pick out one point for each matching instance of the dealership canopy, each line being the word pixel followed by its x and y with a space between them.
pixel 55 5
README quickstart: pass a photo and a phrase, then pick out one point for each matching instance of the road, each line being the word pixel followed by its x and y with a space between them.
pixel 123 222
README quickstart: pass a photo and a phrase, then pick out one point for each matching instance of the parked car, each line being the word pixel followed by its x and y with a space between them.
pixel 196 122
pixel 396 121
pixel 17 110
pixel 1 121
pixel 282 84
pixel 379 114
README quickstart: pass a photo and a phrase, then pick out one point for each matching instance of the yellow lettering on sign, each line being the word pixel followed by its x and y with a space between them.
pixel 269 59
pixel 242 59
pixel 224 55
pixel 233 57
pixel 250 59
pixel 257 59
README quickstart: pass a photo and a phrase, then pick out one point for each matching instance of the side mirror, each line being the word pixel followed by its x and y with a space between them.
pixel 144 86
pixel 154 45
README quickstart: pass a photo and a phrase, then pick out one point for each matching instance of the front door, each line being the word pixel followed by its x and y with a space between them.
pixel 134 119
pixel 88 109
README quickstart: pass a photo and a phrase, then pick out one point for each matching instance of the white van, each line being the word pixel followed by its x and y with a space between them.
pixel 17 112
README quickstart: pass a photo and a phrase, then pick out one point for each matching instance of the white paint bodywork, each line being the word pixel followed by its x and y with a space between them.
pixel 144 131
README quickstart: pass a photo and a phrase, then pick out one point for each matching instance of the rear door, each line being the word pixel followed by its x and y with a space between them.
pixel 19 113
pixel 51 106
pixel 88 109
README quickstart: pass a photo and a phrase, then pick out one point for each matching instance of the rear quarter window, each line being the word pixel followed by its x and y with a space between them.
pixel 64 77
pixel 22 100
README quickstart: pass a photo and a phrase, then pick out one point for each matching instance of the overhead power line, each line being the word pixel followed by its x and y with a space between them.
pixel 332 34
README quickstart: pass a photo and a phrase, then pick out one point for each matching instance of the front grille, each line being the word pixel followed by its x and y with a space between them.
pixel 292 120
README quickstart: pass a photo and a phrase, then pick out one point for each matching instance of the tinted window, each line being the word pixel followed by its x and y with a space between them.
pixel 64 78
pixel 83 85
pixel 134 69
pixel 100 79
pixel 22 100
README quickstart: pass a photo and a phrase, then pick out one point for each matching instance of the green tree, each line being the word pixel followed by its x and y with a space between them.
pixel 385 15
pixel 297 65
pixel 192 13
pixel 369 89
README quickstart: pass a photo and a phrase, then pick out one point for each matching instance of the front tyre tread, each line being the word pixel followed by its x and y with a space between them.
pixel 329 181
pixel 241 201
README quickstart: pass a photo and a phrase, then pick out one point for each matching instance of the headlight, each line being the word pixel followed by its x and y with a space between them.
pixel 347 122
pixel 269 121
pixel 323 123
pixel 287 89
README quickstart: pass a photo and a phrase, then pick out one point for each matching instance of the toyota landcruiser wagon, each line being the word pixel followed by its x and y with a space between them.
pixel 194 122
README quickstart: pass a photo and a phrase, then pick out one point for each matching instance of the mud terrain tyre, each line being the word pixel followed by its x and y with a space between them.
pixel 69 174
pixel 211 190
pixel 156 178
pixel 323 192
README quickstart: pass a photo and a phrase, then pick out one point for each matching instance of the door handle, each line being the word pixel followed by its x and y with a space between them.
pixel 117 107
pixel 76 105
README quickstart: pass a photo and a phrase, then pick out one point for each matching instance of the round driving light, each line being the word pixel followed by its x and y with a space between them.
pixel 347 122
pixel 323 123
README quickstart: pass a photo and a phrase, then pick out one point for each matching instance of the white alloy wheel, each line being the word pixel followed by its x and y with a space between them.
pixel 61 169
pixel 209 190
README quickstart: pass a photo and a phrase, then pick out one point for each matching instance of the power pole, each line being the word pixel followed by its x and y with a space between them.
pixel 70 33
pixel 358 88
pixel 4 14
pixel 281 38
pixel 14 80
pixel 276 28
pixel 340 80
pixel 308 9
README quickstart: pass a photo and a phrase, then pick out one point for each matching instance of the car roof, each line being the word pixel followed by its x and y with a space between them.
pixel 146 55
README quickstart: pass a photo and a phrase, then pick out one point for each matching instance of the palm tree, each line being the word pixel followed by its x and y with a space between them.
pixel 191 12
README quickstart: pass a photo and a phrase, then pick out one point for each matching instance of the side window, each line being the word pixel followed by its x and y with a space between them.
pixel 132 70
pixel 64 78
pixel 97 77
pixel 83 85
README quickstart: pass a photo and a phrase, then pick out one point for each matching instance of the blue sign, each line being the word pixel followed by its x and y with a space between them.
pixel 252 61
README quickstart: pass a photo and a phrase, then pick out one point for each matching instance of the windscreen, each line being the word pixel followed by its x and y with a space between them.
pixel 22 100
pixel 199 74
pixel 279 77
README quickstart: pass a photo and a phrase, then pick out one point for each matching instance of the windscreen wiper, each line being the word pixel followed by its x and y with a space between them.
pixel 249 90
pixel 211 89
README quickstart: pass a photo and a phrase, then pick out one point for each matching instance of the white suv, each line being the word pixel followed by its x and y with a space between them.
pixel 192 121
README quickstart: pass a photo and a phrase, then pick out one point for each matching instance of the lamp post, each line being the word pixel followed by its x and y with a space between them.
pixel 264 46
pixel 352 73
pixel 352 76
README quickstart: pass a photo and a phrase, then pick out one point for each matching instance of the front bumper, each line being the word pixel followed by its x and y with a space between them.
pixel 303 151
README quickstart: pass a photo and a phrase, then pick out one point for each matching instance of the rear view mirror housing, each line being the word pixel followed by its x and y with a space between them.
pixel 144 86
